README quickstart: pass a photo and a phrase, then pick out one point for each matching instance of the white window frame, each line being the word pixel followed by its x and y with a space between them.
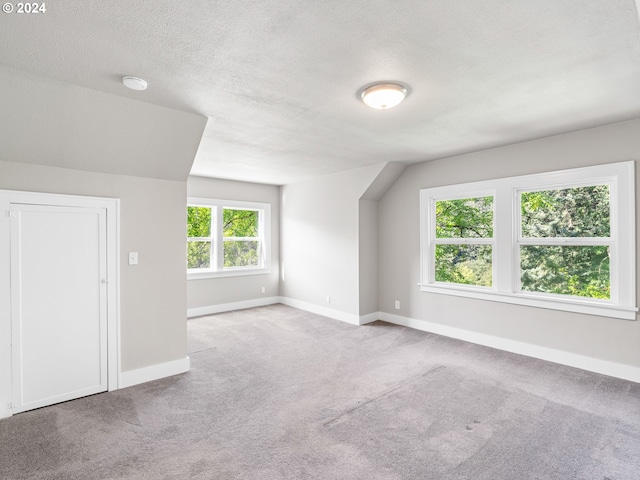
pixel 217 239
pixel 434 241
pixel 507 239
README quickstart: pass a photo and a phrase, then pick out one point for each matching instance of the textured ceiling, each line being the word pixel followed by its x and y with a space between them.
pixel 278 80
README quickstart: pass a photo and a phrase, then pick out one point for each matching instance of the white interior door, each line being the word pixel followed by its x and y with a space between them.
pixel 58 304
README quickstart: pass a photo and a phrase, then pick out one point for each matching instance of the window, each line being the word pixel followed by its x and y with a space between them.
pixel 464 241
pixel 562 240
pixel 226 238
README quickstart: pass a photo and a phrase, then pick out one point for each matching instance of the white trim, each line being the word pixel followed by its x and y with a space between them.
pixel 369 318
pixel 613 369
pixel 5 412
pixel 324 311
pixel 569 304
pixel 227 307
pixel 154 372
pixel 308 307
pixel 112 208
pixel 114 334
pixel 239 272
pixel 218 202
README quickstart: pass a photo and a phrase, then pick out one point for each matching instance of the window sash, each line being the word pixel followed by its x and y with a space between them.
pixel 242 239
pixel 434 241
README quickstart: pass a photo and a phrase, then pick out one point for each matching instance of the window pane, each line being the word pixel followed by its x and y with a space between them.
pixel 466 264
pixel 198 222
pixel 240 254
pixel 198 254
pixel 239 223
pixel 465 218
pixel 569 212
pixel 567 270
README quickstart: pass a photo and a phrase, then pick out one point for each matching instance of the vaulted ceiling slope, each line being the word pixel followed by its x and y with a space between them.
pixel 278 80
pixel 48 122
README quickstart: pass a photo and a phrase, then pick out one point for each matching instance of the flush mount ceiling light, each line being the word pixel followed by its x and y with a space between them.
pixel 134 83
pixel 383 95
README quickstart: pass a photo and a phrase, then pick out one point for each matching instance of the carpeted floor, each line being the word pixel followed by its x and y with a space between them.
pixel 277 393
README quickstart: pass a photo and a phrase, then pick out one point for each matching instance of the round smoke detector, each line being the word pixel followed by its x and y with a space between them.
pixel 134 83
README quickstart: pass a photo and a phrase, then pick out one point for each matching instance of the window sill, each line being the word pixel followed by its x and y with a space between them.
pixel 568 305
pixel 240 272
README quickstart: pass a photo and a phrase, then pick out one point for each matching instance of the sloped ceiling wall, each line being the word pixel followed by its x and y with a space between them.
pixel 47 122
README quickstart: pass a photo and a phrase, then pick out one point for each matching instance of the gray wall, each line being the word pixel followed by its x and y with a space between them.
pixel 53 135
pixel 320 239
pixel 368 256
pixel 215 291
pixel 47 122
pixel 399 253
pixel 368 235
pixel 153 217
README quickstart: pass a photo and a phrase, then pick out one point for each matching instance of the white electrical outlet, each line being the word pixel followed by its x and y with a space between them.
pixel 328 299
pixel 397 305
pixel 133 258
pixel 263 290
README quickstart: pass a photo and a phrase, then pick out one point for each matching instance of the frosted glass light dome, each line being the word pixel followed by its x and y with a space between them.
pixel 383 95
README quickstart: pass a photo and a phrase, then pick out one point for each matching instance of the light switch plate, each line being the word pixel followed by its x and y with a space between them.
pixel 133 258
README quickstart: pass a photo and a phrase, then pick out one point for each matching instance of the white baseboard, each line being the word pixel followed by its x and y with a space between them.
pixel 154 372
pixel 141 375
pixel 5 413
pixel 228 307
pixel 308 307
pixel 324 311
pixel 613 369
pixel 370 317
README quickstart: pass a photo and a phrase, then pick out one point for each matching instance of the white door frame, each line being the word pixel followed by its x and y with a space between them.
pixel 112 208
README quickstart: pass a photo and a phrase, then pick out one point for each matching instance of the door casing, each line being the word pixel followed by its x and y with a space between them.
pixel 112 209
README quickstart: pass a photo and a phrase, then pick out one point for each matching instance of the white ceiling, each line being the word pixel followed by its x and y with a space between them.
pixel 278 80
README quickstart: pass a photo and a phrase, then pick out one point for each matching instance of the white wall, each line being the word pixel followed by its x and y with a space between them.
pixel 153 218
pixel 399 254
pixel 320 239
pixel 202 293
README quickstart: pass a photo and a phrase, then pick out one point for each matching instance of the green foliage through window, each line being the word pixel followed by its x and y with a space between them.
pixel 468 263
pixel 241 254
pixel 199 226
pixel 239 223
pixel 569 212
pixel 198 254
pixel 198 222
pixel 464 218
pixel 465 264
pixel 582 271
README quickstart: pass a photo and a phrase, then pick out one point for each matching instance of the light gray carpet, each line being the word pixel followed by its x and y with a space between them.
pixel 277 393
